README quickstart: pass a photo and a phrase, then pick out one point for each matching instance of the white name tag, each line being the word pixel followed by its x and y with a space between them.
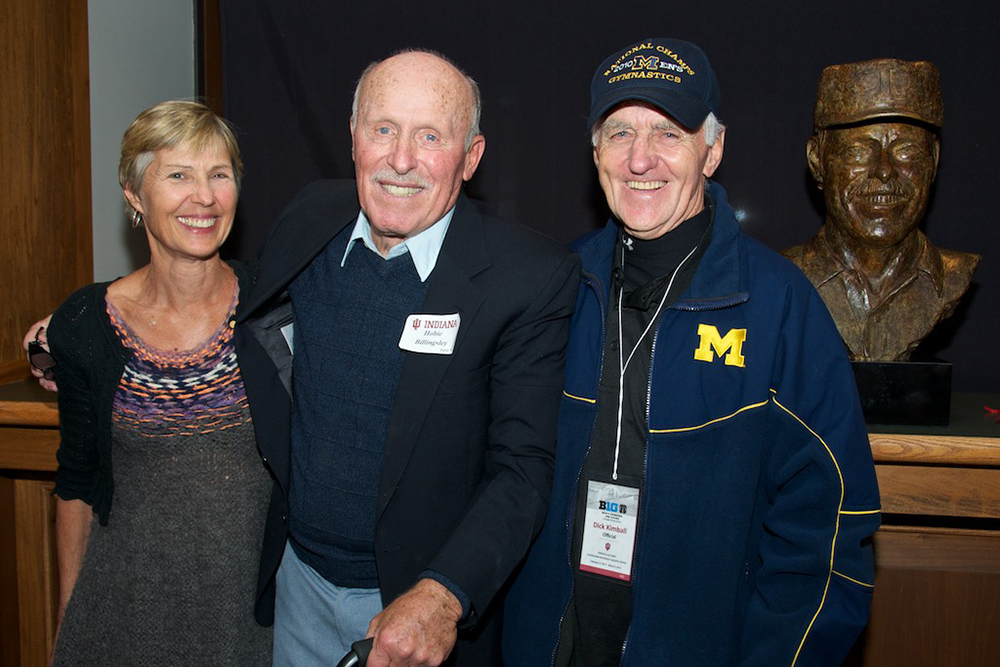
pixel 609 531
pixel 430 334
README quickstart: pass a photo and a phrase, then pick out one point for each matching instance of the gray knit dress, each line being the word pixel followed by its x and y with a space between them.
pixel 171 579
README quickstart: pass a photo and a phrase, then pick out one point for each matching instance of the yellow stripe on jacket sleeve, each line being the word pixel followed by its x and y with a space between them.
pixel 836 529
pixel 859 583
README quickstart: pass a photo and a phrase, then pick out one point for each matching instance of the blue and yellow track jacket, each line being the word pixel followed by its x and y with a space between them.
pixel 759 497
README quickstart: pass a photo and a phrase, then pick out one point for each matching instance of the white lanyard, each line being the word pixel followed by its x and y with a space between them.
pixel 622 362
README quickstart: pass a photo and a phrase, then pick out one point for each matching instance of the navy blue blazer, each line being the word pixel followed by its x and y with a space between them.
pixel 467 464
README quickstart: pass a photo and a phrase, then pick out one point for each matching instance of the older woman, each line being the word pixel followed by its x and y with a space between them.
pixel 161 490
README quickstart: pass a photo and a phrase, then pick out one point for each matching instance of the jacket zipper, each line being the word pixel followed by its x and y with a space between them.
pixel 590 280
pixel 721 304
pixel 642 501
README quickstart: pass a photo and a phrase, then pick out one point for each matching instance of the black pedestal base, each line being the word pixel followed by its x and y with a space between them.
pixel 904 392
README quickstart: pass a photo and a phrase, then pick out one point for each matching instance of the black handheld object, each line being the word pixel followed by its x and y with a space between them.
pixel 358 655
pixel 40 358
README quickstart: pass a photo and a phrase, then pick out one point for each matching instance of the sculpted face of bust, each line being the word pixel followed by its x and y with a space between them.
pixel 875 178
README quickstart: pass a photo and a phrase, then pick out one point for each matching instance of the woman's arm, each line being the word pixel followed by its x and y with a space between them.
pixel 73 518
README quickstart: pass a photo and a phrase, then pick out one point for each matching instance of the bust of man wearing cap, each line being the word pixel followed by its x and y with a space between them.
pixel 714 492
pixel 874 155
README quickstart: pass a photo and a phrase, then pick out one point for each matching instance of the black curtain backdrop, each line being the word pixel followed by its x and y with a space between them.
pixel 290 67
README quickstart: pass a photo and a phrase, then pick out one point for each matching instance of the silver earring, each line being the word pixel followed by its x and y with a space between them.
pixel 136 219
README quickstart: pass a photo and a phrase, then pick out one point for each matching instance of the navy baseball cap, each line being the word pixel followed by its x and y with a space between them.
pixel 672 75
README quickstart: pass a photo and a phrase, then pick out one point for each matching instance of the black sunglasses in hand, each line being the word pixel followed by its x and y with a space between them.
pixel 40 358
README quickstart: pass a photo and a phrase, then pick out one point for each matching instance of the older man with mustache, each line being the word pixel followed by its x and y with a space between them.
pixel 412 468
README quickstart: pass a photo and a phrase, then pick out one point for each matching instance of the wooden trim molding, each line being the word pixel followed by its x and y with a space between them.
pixel 209 55
pixel 935 449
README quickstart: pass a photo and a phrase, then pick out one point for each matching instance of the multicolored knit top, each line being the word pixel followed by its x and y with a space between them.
pixel 179 393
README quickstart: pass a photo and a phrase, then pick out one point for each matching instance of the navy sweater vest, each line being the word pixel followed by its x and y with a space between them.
pixel 348 321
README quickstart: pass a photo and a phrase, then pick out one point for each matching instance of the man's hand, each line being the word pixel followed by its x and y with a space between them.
pixel 419 628
pixel 37 331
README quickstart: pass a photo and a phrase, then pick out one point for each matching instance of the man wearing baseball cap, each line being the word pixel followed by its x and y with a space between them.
pixel 714 493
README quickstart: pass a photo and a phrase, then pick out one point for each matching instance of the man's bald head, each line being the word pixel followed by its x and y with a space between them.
pixel 474 102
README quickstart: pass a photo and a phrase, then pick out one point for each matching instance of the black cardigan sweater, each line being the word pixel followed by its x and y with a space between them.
pixel 89 365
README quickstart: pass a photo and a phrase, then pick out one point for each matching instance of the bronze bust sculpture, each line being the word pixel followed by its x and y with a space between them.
pixel 874 154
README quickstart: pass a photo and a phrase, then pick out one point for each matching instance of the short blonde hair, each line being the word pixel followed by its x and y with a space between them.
pixel 167 125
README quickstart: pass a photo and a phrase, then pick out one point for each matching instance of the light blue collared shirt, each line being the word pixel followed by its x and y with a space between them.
pixel 424 247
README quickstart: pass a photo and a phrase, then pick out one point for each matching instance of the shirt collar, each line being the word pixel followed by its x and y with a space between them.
pixel 928 262
pixel 424 247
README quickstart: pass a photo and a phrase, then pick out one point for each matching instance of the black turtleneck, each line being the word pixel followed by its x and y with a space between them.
pixel 601 611
pixel 649 263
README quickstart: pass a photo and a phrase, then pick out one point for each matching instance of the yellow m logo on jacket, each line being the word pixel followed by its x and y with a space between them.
pixel 731 345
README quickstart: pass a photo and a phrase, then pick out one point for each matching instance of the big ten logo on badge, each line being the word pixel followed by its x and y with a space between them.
pixel 609 530
pixel 610 506
pixel 729 347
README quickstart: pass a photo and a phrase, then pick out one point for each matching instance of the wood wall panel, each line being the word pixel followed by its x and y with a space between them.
pixel 10 623
pixel 44 161
pixel 38 585
pixel 939 491
pixel 935 602
pixel 28 569
pixel 29 449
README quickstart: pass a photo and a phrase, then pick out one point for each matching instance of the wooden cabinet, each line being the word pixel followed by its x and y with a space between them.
pixel 29 436
pixel 937 555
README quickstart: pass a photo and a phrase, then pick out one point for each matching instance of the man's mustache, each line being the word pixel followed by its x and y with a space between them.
pixel 874 190
pixel 390 176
